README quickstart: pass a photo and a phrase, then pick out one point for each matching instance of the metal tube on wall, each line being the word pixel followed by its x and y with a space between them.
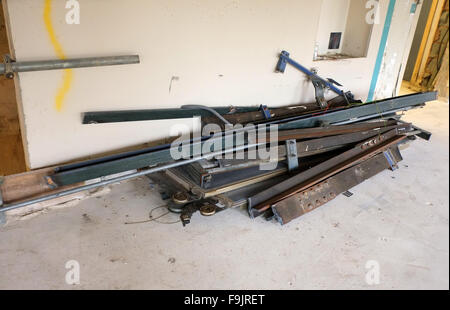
pixel 42 65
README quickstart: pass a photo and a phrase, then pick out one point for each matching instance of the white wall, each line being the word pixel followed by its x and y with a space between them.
pixel 224 52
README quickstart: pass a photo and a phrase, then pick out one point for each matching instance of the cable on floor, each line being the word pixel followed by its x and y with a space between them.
pixel 155 219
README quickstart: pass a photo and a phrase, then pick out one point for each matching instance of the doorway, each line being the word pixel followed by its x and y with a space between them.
pixel 427 66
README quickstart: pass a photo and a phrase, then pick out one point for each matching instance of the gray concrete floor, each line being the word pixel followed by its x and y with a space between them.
pixel 399 219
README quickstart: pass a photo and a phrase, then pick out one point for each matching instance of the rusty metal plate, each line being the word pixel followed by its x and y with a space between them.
pixel 321 193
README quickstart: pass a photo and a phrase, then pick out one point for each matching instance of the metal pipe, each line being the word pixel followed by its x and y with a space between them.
pixel 13 206
pixel 41 65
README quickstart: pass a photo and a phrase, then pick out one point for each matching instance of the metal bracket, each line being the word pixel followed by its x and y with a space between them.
pixel 205 207
pixel 2 213
pixel 320 89
pixel 347 194
pixel 421 133
pixel 187 213
pixel 391 159
pixel 319 83
pixel 291 154
pixel 7 60
pixel 265 111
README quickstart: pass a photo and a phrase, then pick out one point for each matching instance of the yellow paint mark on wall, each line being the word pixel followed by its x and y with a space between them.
pixel 68 74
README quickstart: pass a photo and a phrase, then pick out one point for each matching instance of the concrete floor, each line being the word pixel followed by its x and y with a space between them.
pixel 399 219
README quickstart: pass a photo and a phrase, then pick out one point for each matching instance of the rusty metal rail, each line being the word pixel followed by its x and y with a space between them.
pixel 262 201
pixel 315 196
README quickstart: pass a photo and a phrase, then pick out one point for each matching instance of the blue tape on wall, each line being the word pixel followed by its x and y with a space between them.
pixel 379 60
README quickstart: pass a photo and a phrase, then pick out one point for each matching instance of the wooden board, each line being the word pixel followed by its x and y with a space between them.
pixel 12 158
pixel 29 185
pixel 24 185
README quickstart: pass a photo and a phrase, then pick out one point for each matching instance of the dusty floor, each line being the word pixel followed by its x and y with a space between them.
pixel 399 219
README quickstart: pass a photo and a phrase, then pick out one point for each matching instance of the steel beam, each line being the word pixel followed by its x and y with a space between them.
pixel 81 172
pixel 357 113
pixel 263 200
pixel 220 167
pixel 305 201
pixel 160 156
pixel 101 117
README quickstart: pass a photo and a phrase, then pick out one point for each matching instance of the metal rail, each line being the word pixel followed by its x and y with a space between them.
pixel 264 199
pixel 360 112
pixel 85 171
pixel 17 205
pixel 307 200
pixel 101 117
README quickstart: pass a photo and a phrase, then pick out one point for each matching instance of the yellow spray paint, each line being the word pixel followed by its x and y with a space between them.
pixel 68 74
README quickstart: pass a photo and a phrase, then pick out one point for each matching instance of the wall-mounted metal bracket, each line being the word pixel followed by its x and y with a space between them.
pixel 291 154
pixel 320 89
pixel 320 84
pixel 7 60
pixel 265 111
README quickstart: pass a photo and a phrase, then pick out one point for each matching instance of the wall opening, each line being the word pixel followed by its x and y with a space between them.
pixel 344 30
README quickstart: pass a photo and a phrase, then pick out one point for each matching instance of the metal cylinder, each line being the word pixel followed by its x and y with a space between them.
pixel 42 65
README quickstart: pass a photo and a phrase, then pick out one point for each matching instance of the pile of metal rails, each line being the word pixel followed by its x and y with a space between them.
pixel 324 156
pixel 321 150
